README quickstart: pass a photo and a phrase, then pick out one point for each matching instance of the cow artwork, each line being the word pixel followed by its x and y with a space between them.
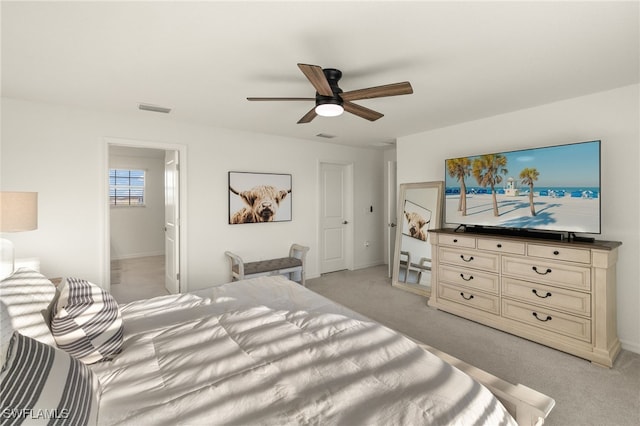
pixel 416 221
pixel 262 204
pixel 257 197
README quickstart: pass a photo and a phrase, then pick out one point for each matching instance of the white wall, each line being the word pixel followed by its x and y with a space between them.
pixel 612 116
pixel 138 231
pixel 60 153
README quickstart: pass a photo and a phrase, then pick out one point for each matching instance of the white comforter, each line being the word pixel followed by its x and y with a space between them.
pixel 268 351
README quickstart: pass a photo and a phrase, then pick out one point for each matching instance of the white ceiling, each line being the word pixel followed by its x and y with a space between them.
pixel 465 60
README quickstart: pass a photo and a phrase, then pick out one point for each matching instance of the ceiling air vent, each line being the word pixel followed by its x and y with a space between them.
pixel 154 108
pixel 325 135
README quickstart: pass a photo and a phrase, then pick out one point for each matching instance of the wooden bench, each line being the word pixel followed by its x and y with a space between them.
pixel 292 265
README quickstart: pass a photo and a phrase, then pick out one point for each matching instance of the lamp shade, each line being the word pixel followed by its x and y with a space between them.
pixel 18 211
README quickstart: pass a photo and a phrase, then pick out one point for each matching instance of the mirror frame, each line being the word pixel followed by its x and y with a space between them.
pixel 436 223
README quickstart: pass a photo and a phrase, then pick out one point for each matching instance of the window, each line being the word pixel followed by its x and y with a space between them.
pixel 126 187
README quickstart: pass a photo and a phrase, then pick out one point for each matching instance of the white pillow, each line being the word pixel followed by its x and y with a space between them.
pixel 87 322
pixel 27 296
pixel 40 384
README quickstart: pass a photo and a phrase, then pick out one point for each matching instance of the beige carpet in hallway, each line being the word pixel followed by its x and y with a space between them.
pixel 137 278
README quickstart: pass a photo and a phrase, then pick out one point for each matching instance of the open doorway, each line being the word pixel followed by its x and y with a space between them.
pixel 143 218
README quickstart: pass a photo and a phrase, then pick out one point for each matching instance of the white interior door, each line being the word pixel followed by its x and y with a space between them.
pixel 334 220
pixel 172 221
pixel 392 226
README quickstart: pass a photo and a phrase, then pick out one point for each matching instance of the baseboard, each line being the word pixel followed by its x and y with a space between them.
pixel 630 346
pixel 369 265
pixel 137 255
pixel 310 276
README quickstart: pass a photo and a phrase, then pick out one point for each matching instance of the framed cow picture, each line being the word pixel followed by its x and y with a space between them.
pixel 259 197
pixel 415 221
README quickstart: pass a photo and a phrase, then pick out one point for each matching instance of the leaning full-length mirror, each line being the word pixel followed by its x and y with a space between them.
pixel 419 209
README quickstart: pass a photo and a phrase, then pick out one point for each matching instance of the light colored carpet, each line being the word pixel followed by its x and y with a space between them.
pixel 137 278
pixel 585 394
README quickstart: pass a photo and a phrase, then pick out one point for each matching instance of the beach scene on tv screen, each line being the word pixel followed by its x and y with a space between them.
pixel 552 188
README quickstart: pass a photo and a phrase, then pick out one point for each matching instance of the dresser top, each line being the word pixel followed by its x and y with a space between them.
pixel 597 244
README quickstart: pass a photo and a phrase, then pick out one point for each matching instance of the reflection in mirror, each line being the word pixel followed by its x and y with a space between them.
pixel 419 209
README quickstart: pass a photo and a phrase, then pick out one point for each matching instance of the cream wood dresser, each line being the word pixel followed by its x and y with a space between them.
pixel 558 293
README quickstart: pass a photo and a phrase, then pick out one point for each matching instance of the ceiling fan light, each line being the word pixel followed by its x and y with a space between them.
pixel 329 110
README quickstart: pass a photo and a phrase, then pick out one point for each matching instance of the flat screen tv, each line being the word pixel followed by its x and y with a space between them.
pixel 554 188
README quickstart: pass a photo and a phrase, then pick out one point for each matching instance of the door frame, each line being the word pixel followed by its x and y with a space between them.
pixel 391 201
pixel 182 244
pixel 349 205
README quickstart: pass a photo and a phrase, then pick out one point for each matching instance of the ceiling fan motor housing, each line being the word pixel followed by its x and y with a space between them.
pixel 333 76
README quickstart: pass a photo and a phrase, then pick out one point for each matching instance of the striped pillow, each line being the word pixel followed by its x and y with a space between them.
pixel 41 384
pixel 87 322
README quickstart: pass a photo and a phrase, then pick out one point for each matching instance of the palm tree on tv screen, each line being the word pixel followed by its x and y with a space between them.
pixel 459 168
pixel 528 176
pixel 487 170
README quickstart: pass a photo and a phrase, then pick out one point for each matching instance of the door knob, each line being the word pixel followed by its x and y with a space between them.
pixel 392 225
pixel 344 222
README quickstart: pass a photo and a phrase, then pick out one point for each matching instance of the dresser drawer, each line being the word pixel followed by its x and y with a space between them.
pixel 547 272
pixel 570 301
pixel 476 300
pixel 575 327
pixel 469 278
pixel 469 259
pixel 457 240
pixel 559 253
pixel 510 247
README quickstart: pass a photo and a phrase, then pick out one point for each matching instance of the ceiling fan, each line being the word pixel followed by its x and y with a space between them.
pixel 332 101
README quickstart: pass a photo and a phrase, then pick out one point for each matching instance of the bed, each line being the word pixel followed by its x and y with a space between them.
pixel 262 351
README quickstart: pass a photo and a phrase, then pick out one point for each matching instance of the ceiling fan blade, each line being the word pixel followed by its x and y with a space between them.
pixel 361 111
pixel 308 116
pixel 394 89
pixel 317 78
pixel 281 99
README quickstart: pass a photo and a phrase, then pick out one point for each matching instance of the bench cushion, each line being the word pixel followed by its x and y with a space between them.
pixel 423 267
pixel 269 265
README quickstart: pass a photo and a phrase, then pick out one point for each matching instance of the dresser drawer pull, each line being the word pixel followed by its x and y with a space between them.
pixel 534 291
pixel 466 279
pixel 455 240
pixel 548 271
pixel 499 245
pixel 466 298
pixel 548 318
pixel 556 252
pixel 466 260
